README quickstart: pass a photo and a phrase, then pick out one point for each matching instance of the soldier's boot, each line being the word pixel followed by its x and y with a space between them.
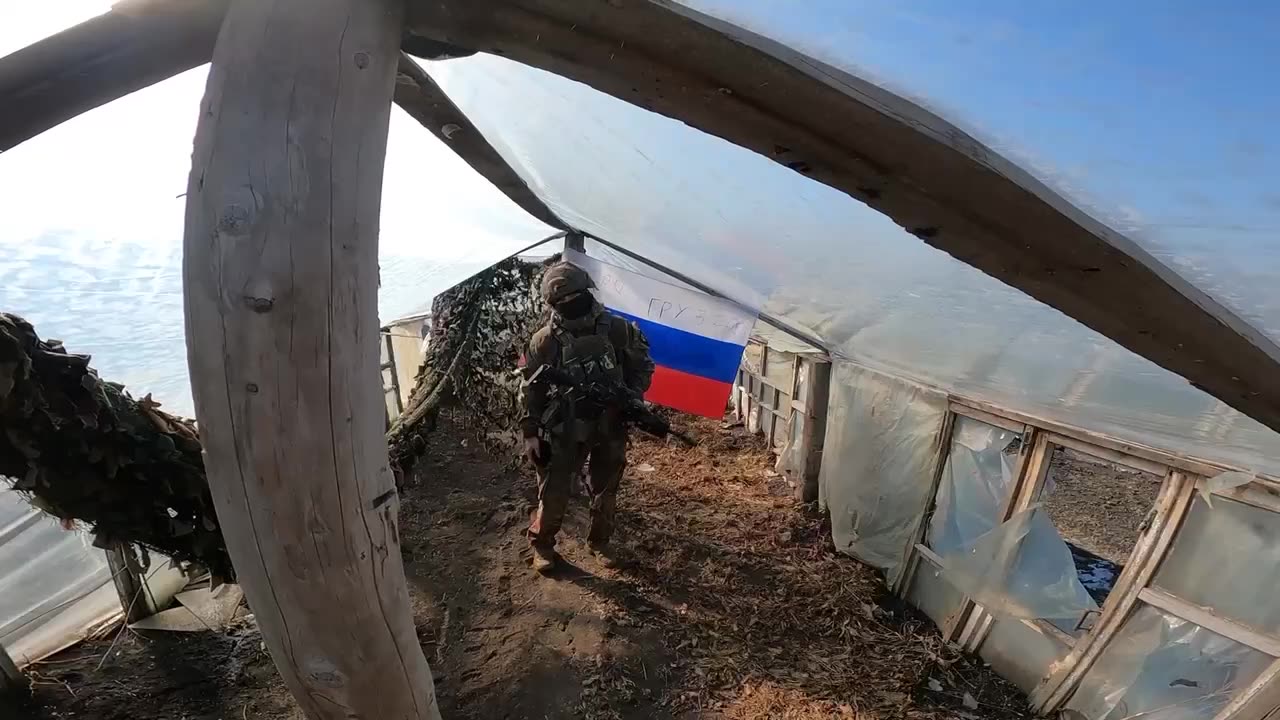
pixel 544 559
pixel 609 557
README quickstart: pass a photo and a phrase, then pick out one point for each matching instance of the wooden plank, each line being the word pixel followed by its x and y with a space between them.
pixel 987 417
pixel 764 382
pixel 1257 494
pixel 572 240
pixel 1148 552
pixel 1044 627
pixel 813 440
pixel 280 287
pixel 1259 701
pixel 1029 475
pixel 1209 620
pixel 134 44
pixel 395 377
pixel 928 554
pixel 1196 466
pixel 130 582
pixel 1028 479
pixel 942 449
pixel 425 101
pixel 971 616
pixel 1113 456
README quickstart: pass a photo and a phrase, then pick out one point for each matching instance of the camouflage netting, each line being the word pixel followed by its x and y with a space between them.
pixel 82 449
pixel 480 327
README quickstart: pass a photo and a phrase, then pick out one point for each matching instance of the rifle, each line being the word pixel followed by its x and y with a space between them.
pixel 611 394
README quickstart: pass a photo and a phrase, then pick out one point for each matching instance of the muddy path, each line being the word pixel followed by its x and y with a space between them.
pixel 733 605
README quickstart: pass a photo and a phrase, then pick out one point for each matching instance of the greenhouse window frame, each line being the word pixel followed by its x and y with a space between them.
pixel 1182 477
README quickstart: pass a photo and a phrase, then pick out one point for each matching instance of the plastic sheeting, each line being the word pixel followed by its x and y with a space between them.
pixel 933 595
pixel 878 457
pixel 1022 568
pixel 806 253
pixel 975 484
pixel 1161 667
pixel 1022 653
pixel 1227 545
pixel 55 583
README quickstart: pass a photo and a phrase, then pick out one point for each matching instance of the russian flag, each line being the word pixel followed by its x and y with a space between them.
pixel 696 340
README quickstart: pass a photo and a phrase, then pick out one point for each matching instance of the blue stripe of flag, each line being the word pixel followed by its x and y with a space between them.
pixel 689 352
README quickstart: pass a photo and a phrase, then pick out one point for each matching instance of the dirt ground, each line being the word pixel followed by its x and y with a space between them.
pixel 1097 505
pixel 733 606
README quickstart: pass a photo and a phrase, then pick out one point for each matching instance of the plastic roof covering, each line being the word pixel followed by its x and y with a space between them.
pixel 1151 116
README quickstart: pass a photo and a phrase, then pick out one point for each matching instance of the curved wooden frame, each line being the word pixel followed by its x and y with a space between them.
pixel 280 272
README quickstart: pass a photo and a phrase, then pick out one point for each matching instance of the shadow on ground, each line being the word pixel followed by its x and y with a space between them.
pixel 734 606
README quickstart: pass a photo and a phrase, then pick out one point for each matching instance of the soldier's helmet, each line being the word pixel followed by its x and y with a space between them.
pixel 562 280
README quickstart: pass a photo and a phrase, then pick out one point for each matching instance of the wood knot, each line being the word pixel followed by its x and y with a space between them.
pixel 251 388
pixel 362 60
pixel 259 304
pixel 234 220
pixel 324 673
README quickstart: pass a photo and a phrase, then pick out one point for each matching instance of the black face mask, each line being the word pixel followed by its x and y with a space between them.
pixel 575 307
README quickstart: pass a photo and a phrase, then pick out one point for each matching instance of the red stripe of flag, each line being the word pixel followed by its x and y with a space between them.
pixel 689 393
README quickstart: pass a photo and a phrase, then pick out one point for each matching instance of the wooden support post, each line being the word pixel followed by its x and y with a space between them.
pixel 11 678
pixel 575 241
pixel 281 280
pixel 817 395
pixel 131 584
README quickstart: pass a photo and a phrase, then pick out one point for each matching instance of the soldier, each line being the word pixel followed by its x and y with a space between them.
pixel 560 434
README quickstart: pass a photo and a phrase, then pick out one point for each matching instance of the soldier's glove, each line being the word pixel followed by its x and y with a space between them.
pixel 533 450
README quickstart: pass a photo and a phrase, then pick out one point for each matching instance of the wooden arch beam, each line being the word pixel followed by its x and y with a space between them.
pixel 134 45
pixel 280 276
pixel 142 42
pixel 424 100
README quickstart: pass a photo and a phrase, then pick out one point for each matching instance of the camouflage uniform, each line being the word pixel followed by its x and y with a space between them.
pixel 598 342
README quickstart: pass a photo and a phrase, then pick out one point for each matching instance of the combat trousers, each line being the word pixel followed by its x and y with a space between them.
pixel 604 453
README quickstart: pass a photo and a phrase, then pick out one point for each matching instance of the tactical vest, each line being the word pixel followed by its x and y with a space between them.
pixel 588 357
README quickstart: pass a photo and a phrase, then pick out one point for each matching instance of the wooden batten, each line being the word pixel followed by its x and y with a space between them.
pixel 1260 701
pixel 901 583
pixel 814 408
pixel 130 582
pixel 1171 507
pixel 281 276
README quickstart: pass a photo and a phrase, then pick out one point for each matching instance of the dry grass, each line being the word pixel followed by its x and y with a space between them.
pixel 767 621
